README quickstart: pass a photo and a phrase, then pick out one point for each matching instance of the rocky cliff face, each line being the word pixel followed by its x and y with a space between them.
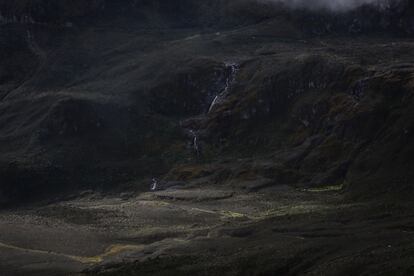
pixel 103 93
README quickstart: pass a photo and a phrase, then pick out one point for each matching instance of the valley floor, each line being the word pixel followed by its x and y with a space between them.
pixel 209 230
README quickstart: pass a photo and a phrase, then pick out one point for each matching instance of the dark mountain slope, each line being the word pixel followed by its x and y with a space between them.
pixel 99 93
pixel 282 140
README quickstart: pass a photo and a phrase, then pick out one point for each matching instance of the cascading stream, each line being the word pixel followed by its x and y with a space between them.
pixel 231 72
pixel 233 68
pixel 195 145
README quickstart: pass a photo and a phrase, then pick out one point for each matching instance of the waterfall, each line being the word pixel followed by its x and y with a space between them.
pixel 195 145
pixel 232 68
pixel 154 184
pixel 222 86
pixel 213 103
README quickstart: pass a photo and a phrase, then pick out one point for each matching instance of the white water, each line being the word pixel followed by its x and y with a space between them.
pixel 195 142
pixel 233 67
pixel 213 103
pixel 154 184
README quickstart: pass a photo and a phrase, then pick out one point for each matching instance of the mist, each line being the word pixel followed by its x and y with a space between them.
pixel 335 5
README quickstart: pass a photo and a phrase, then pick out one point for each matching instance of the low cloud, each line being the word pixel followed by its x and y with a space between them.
pixel 334 5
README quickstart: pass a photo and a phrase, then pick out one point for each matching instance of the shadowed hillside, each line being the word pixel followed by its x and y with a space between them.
pixel 89 96
pixel 253 119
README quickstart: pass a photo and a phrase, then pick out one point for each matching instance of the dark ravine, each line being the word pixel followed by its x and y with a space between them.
pixel 289 132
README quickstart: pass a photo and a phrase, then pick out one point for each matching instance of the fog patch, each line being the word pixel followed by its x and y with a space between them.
pixel 335 5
